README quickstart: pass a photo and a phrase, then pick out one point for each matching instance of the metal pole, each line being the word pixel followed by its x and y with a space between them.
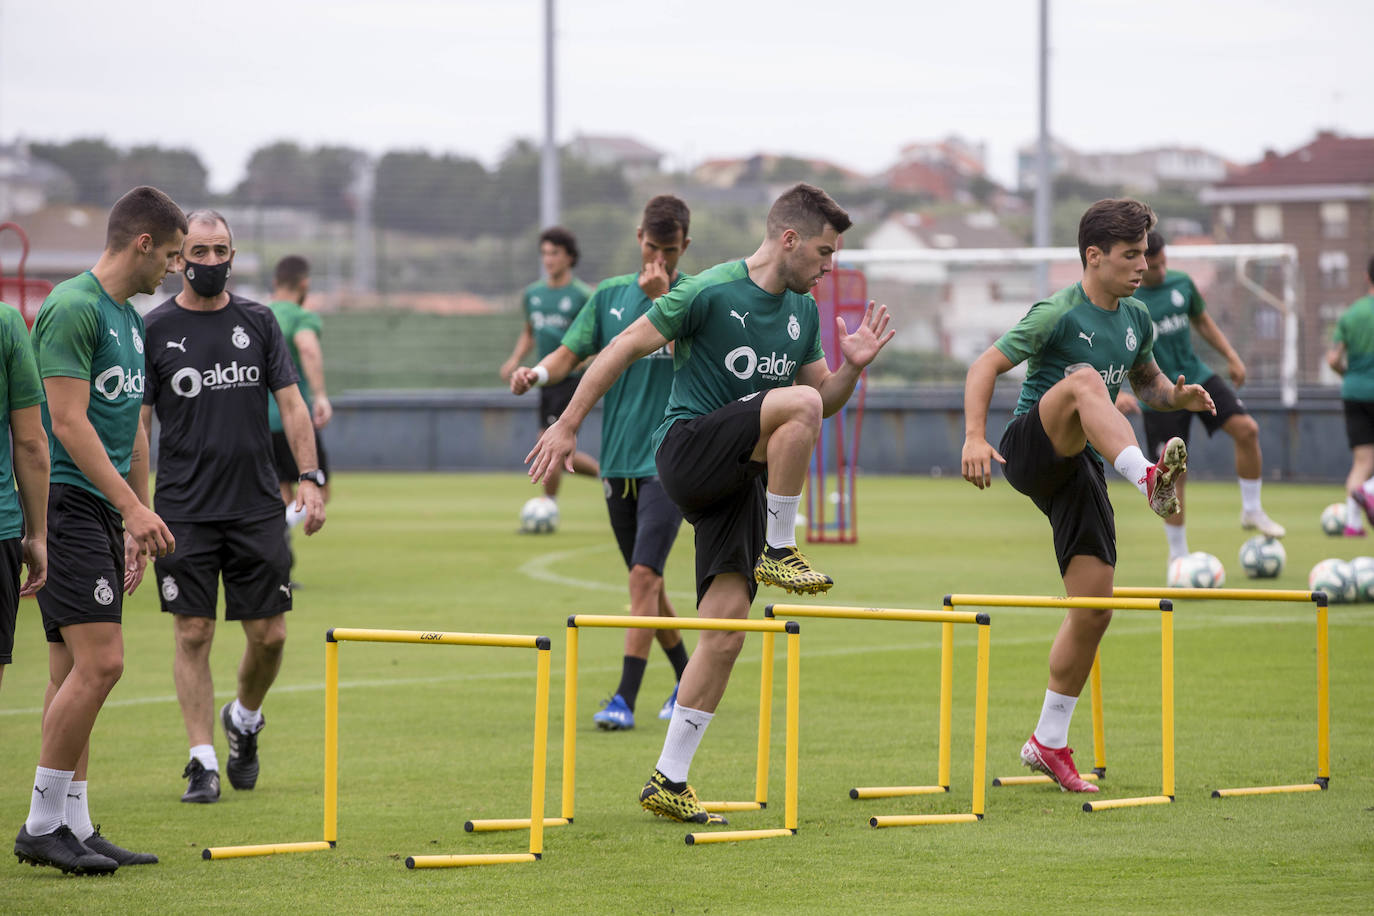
pixel 1043 179
pixel 548 159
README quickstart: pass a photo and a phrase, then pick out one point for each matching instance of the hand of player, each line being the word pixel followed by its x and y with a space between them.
pixel 507 368
pixel 1236 369
pixel 555 447
pixel 322 411
pixel 860 348
pixel 1192 397
pixel 976 462
pixel 36 562
pixel 309 498
pixel 1126 403
pixel 522 380
pixel 149 531
pixel 653 280
pixel 135 563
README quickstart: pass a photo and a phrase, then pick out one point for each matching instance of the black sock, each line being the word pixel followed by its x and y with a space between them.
pixel 631 674
pixel 678 656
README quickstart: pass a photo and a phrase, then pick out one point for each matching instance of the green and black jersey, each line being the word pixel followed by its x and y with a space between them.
pixel 550 310
pixel 1173 305
pixel 20 387
pixel 1355 329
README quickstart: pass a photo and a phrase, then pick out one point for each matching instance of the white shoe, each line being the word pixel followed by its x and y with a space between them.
pixel 1258 521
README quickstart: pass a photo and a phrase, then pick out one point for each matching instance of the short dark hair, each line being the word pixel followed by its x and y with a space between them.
pixel 806 210
pixel 144 209
pixel 1154 243
pixel 291 272
pixel 207 215
pixel 563 238
pixel 1107 222
pixel 1370 269
pixel 664 216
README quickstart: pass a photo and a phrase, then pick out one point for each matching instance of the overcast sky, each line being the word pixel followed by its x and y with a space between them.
pixel 847 81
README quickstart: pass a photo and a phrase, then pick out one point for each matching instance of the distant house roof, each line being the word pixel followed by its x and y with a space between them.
pixel 1328 159
pixel 920 178
pixel 979 229
pixel 724 173
pixel 623 150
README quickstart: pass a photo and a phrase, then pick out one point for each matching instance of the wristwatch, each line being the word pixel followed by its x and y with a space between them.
pixel 316 477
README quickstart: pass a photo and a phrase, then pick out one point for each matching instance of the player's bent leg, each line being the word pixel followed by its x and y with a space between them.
pixel 1078 411
pixel 1075 645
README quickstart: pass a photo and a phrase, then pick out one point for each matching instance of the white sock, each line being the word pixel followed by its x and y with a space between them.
pixel 1177 536
pixel 1368 487
pixel 680 745
pixel 1053 728
pixel 245 719
pixel 205 753
pixel 1250 494
pixel 78 809
pixel 782 520
pixel 1131 464
pixel 48 806
pixel 1354 515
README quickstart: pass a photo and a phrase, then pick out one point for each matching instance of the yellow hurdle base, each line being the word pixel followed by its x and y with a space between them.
pixel 1108 804
pixel 509 858
pixel 1036 780
pixel 734 806
pixel 895 791
pixel 916 820
pixel 736 836
pixel 264 849
pixel 1269 790
pixel 511 823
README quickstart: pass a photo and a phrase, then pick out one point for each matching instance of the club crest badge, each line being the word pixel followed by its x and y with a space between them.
pixel 1130 339
pixel 104 595
pixel 239 338
pixel 793 327
pixel 169 589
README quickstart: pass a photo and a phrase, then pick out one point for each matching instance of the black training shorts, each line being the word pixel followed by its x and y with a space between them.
pixel 1359 422
pixel 85 561
pixel 1163 425
pixel 11 562
pixel 252 557
pixel 705 469
pixel 553 400
pixel 644 520
pixel 1072 492
pixel 287 472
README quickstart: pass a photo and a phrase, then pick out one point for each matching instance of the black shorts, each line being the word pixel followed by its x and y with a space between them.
pixel 553 400
pixel 287 472
pixel 1359 422
pixel 85 561
pixel 644 520
pixel 11 563
pixel 1072 492
pixel 1163 425
pixel 252 556
pixel 705 469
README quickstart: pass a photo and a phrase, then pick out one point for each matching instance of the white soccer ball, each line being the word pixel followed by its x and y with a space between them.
pixel 1333 519
pixel 1336 578
pixel 1262 557
pixel 1363 568
pixel 1196 570
pixel 539 516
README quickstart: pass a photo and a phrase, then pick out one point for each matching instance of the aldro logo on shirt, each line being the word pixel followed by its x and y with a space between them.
pixel 188 382
pixel 114 381
pixel 743 362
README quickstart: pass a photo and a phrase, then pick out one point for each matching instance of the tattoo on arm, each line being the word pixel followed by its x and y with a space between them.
pixel 1152 387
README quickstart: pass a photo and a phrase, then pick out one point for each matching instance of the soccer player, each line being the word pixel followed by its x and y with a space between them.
pixel 1176 307
pixel 23 513
pixel 302 329
pixel 213 359
pixel 750 389
pixel 1081 343
pixel 645 521
pixel 88 342
pixel 550 306
pixel 1352 356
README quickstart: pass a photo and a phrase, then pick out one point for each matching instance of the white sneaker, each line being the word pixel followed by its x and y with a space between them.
pixel 1258 521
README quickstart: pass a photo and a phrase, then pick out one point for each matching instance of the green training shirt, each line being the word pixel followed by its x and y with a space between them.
pixel 20 387
pixel 82 333
pixel 635 405
pixel 293 317
pixel 550 310
pixel 1173 305
pixel 734 340
pixel 1066 331
pixel 1355 329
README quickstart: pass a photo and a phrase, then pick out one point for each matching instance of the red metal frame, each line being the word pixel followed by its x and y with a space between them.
pixel 24 294
pixel 842 293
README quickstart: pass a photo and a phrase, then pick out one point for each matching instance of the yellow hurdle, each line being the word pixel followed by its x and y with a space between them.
pixel 333 637
pixel 947 619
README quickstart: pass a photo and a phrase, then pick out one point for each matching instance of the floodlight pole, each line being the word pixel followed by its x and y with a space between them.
pixel 1043 181
pixel 548 158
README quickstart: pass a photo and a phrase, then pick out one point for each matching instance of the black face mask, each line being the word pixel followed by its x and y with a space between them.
pixel 208 279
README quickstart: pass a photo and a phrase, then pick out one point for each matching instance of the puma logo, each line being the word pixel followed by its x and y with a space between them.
pixel 1088 337
pixel 735 314
pixel 174 345
pixel 772 512
pixel 617 312
pixel 284 589
pixel 114 334
pixel 696 725
pixel 42 793
pixel 70 795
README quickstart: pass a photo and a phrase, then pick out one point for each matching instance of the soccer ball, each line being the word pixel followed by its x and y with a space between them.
pixel 539 516
pixel 1333 519
pixel 1196 570
pixel 1336 578
pixel 1263 558
pixel 1364 578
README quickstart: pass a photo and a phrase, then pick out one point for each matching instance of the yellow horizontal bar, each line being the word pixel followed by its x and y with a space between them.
pixel 1267 790
pixel 1216 594
pixel 346 634
pixel 678 623
pixel 733 806
pixel 1036 780
pixel 1109 803
pixel 896 791
pixel 735 836
pixel 510 823
pixel 873 613
pixel 1106 604
pixel 916 820
pixel 509 858
pixel 265 849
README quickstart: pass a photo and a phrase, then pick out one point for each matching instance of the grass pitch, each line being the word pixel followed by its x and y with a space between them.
pixel 434 735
